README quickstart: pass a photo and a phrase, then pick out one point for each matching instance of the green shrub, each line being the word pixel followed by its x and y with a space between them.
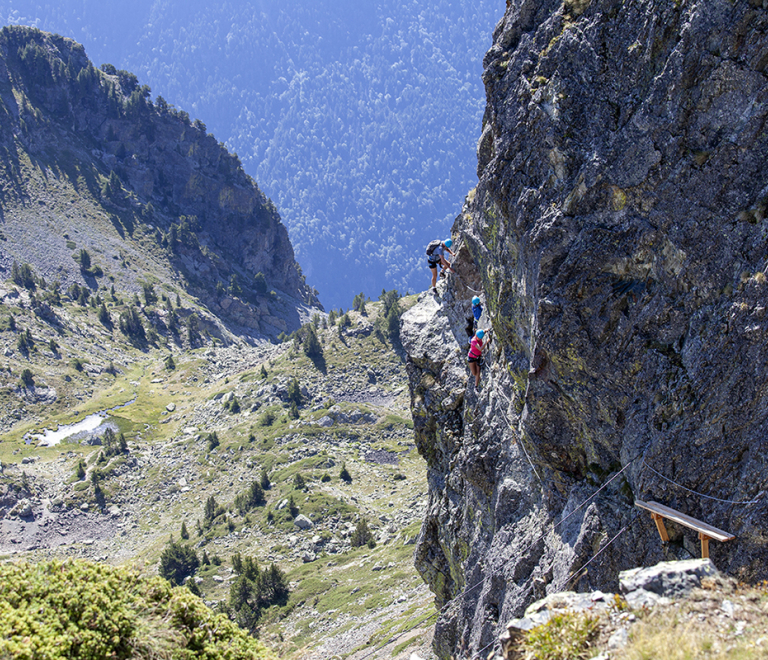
pixel 362 535
pixel 267 418
pixel 26 379
pixel 566 636
pixel 55 610
pixel 344 475
pixel 178 562
pixel 250 498
pixel 212 440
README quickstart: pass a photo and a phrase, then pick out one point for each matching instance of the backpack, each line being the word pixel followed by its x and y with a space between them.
pixel 432 247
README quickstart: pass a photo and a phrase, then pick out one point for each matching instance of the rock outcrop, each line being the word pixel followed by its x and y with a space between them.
pixel 618 236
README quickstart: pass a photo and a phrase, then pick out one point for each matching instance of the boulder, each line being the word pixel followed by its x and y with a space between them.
pixel 302 522
pixel 664 581
pixel 23 509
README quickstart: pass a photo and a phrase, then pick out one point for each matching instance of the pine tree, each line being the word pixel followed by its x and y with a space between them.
pixel 104 317
pixel 312 347
pixel 177 562
pixel 362 535
pixel 294 391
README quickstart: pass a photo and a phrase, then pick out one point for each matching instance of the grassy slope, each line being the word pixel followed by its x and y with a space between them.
pixel 342 593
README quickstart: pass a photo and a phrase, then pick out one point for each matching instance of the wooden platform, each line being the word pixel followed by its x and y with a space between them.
pixel 706 532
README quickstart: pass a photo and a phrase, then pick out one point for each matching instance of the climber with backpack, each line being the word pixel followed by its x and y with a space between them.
pixel 435 257
pixel 477 310
pixel 475 355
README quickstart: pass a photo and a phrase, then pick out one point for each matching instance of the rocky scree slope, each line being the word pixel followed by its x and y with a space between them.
pixel 352 413
pixel 618 236
pixel 88 161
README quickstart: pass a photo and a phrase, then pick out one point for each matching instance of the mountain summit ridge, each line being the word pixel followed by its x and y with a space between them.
pixel 90 161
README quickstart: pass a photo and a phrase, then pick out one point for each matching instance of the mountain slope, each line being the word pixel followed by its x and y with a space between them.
pixel 617 236
pixel 90 163
pixel 358 119
pixel 209 425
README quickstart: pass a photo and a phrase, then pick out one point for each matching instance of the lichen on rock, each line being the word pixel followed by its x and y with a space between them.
pixel 617 236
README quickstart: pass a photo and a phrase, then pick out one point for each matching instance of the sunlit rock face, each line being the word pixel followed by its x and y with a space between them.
pixel 618 236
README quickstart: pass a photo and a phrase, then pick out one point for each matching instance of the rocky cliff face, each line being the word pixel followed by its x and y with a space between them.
pixel 87 157
pixel 618 236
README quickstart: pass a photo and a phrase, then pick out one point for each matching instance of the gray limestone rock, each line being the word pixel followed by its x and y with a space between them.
pixel 616 239
pixel 302 522
pixel 665 580
pixel 22 509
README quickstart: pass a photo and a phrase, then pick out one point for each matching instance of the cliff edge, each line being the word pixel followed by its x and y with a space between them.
pixel 617 237
pixel 89 162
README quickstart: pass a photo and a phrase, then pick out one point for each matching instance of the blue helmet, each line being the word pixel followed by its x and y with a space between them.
pixel 480 334
pixel 475 300
pixel 448 243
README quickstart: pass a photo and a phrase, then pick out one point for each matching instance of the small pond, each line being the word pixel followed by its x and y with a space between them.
pixel 50 438
pixel 78 431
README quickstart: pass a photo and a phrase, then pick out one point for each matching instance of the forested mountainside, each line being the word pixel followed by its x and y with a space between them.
pixel 359 119
pixel 103 188
pixel 618 239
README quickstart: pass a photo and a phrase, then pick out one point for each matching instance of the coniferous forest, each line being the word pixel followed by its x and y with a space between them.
pixel 358 119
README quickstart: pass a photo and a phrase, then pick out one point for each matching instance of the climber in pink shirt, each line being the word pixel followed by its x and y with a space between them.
pixel 475 354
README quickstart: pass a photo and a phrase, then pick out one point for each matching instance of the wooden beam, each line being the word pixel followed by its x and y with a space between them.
pixel 659 520
pixel 704 545
pixel 687 521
